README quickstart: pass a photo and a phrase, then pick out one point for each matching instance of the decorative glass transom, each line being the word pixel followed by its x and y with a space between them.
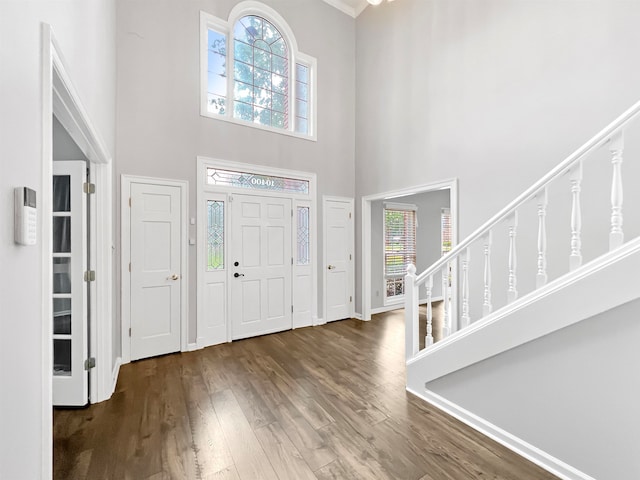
pixel 303 236
pixel 228 178
pixel 215 235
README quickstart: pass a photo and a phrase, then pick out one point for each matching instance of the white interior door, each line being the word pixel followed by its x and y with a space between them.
pixel 155 269
pixel 338 259
pixel 70 379
pixel 260 265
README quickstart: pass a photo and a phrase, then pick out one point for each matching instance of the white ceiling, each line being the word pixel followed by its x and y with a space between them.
pixel 350 7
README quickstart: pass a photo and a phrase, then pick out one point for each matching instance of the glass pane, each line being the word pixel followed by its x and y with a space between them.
pixel 261 59
pixel 279 84
pixel 302 125
pixel 243 52
pixel 302 109
pixel 278 120
pixel 242 34
pixel 262 78
pixel 254 25
pixel 278 102
pixel 270 33
pixel 62 316
pixel 62 357
pixel 279 47
pixel 217 42
pixel 302 73
pixel 243 72
pixel 243 111
pixel 61 275
pixel 215 235
pixel 243 92
pixel 216 104
pixel 302 91
pixel 254 181
pixel 262 97
pixel 61 234
pixel 303 236
pixel 279 65
pixel 262 116
pixel 217 84
pixel 61 193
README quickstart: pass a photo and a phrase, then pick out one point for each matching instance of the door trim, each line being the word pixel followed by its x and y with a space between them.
pixel 352 270
pixel 59 96
pixel 125 258
pixel 365 258
pixel 298 200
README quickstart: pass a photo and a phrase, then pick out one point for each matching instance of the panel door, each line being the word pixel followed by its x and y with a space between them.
pixel 155 270
pixel 260 265
pixel 338 262
pixel 70 340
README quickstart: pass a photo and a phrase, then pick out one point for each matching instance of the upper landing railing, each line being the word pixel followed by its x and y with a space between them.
pixel 446 267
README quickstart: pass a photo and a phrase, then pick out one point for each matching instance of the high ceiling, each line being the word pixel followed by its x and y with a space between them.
pixel 350 7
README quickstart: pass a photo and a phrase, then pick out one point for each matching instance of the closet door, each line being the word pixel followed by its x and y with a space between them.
pixel 70 379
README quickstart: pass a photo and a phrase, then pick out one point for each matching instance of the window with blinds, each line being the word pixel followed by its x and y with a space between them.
pixel 445 229
pixel 399 248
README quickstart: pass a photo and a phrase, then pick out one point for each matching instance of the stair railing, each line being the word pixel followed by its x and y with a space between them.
pixel 446 266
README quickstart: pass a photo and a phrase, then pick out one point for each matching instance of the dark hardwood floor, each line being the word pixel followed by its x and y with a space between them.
pixel 316 403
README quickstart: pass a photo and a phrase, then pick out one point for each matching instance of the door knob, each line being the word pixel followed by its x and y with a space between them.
pixel 238 274
pixel 173 277
pixel 331 267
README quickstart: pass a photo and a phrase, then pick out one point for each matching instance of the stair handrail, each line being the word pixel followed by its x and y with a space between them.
pixel 563 167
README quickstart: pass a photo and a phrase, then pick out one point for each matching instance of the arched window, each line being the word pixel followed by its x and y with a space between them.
pixel 253 73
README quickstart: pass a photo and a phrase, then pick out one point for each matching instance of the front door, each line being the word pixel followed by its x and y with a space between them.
pixel 260 265
pixel 338 238
pixel 155 269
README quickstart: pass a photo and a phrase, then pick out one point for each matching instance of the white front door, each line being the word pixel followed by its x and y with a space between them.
pixel 155 269
pixel 338 261
pixel 260 264
pixel 70 340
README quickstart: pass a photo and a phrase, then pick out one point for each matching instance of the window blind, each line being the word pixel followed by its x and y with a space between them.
pixel 399 241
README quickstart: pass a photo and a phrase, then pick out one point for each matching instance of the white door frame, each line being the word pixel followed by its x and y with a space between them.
pixel 451 184
pixel 298 200
pixel 125 258
pixel 60 97
pixel 352 270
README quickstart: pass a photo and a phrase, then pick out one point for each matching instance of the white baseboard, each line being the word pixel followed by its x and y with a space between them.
pixel 318 321
pixel 192 347
pixel 114 375
pixel 517 445
pixel 357 316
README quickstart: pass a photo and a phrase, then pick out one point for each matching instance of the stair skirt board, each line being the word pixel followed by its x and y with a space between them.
pixel 513 443
pixel 524 320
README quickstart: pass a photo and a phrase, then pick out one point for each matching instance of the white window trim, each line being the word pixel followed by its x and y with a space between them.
pixel 251 7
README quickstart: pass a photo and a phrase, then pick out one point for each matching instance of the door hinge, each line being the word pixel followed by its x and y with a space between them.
pixel 89 187
pixel 349 214
pixel 90 276
pixel 291 308
pixel 129 201
pixel 291 260
pixel 292 213
pixel 349 258
pixel 350 299
pixel 129 331
pixel 129 267
pixel 90 363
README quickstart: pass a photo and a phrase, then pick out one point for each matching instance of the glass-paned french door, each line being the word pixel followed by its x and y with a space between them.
pixel 69 257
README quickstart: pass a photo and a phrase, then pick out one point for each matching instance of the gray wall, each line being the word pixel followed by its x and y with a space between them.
pixel 574 393
pixel 495 93
pixel 428 236
pixel 85 32
pixel 160 130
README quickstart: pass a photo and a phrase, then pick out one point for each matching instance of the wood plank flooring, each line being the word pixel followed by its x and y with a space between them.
pixel 316 403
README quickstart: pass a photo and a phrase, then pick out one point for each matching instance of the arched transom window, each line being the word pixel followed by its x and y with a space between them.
pixel 253 73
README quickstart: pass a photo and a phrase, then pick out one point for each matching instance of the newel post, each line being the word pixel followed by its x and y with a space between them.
pixel 411 312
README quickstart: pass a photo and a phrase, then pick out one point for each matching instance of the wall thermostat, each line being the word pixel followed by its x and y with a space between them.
pixel 26 216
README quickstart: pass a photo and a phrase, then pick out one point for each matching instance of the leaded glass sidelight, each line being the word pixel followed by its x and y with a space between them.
pixel 215 235
pixel 303 236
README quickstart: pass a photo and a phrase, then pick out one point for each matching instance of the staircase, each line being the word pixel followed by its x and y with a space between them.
pixel 572 267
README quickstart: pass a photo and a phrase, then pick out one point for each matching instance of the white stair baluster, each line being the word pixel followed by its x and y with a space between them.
pixel 411 313
pixel 616 147
pixel 465 320
pixel 428 339
pixel 486 304
pixel 512 292
pixel 446 320
pixel 541 277
pixel 575 176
